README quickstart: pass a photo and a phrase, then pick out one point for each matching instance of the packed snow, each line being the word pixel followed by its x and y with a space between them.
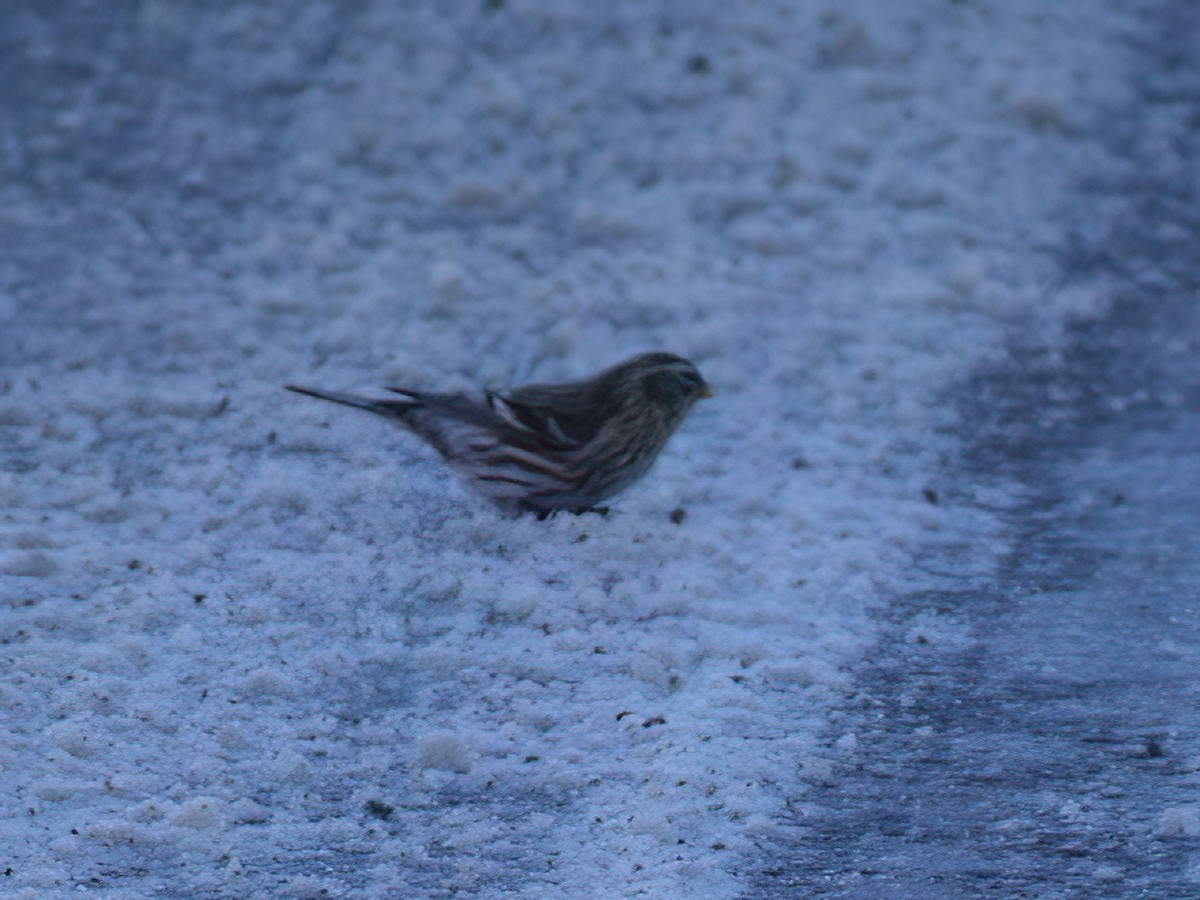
pixel 256 645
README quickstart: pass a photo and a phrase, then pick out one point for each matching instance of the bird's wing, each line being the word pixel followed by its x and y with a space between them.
pixel 490 444
pixel 552 414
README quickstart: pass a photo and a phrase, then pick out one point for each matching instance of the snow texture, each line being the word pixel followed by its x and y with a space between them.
pixel 258 646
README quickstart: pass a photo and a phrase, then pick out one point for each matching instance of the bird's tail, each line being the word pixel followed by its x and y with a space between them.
pixel 382 407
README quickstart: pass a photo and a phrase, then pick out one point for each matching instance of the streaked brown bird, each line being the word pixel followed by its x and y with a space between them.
pixel 551 447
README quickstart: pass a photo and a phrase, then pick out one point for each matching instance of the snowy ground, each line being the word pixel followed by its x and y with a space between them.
pixel 253 645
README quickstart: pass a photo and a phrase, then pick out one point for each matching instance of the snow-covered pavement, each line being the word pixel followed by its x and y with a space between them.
pixel 256 646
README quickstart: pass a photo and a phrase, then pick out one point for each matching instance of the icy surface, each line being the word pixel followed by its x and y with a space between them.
pixel 253 645
pixel 1036 733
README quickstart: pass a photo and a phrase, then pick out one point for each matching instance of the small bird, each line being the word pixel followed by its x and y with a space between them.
pixel 551 447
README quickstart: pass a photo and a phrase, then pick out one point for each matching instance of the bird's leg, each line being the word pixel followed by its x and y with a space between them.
pixel 598 510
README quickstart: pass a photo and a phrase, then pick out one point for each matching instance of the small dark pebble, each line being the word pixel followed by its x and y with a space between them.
pixel 530 759
pixel 1154 750
pixel 654 720
pixel 580 538
pixel 378 808
pixel 133 565
pixel 699 64
pixel 199 598
pixel 623 714
pixel 1118 499
pixel 930 496
pixel 799 463
pixel 678 514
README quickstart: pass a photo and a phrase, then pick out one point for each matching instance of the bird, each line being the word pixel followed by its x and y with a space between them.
pixel 547 448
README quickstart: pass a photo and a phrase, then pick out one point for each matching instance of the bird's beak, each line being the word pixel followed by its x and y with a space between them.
pixel 707 392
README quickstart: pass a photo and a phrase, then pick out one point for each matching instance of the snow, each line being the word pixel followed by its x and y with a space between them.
pixel 254 645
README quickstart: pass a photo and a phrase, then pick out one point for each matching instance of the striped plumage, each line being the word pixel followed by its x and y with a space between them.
pixel 547 447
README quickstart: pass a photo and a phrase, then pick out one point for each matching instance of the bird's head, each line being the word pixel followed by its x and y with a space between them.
pixel 669 380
